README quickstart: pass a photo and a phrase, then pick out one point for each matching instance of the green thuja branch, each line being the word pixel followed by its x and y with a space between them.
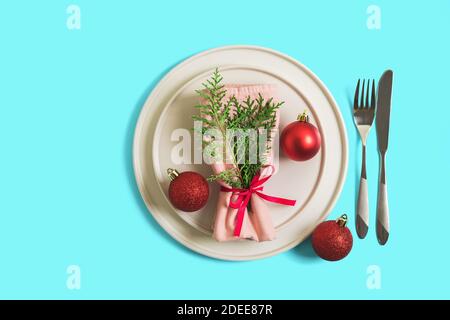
pixel 234 116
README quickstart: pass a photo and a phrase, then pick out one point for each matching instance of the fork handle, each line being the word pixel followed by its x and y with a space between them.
pixel 362 213
pixel 382 205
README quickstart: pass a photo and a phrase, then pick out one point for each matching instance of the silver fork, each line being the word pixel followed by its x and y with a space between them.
pixel 363 114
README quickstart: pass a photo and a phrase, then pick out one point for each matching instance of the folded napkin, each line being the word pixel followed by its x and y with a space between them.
pixel 257 224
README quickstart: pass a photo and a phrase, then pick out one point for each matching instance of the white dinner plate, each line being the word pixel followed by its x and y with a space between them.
pixel 315 184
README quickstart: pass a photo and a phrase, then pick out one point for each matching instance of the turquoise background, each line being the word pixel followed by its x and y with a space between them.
pixel 69 101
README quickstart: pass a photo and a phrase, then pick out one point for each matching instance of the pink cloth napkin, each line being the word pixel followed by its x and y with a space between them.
pixel 257 224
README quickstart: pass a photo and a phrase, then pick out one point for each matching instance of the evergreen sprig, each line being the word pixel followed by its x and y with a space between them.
pixel 231 116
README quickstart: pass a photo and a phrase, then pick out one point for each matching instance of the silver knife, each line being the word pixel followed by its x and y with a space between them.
pixel 382 123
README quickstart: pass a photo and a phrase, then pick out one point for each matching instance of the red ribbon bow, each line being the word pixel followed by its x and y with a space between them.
pixel 244 196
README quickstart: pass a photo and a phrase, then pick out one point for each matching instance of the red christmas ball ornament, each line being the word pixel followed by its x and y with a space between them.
pixel 332 240
pixel 188 191
pixel 300 140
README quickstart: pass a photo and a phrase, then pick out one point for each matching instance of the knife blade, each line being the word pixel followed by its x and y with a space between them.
pixel 384 96
pixel 384 109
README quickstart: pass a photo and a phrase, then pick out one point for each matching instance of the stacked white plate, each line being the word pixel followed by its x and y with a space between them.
pixel 315 184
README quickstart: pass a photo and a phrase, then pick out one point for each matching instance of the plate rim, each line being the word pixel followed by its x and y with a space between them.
pixel 143 189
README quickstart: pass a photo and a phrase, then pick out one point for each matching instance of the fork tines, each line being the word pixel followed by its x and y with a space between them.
pixel 363 102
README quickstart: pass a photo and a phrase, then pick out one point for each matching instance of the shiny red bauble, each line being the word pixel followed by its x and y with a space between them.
pixel 188 191
pixel 332 240
pixel 300 140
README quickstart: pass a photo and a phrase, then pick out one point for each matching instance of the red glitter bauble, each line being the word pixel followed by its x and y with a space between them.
pixel 188 191
pixel 300 140
pixel 332 240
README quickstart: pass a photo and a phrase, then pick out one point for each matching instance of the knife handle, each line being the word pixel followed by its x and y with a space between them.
pixel 362 210
pixel 382 205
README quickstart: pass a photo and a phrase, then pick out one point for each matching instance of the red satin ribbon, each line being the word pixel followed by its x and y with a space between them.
pixel 244 196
